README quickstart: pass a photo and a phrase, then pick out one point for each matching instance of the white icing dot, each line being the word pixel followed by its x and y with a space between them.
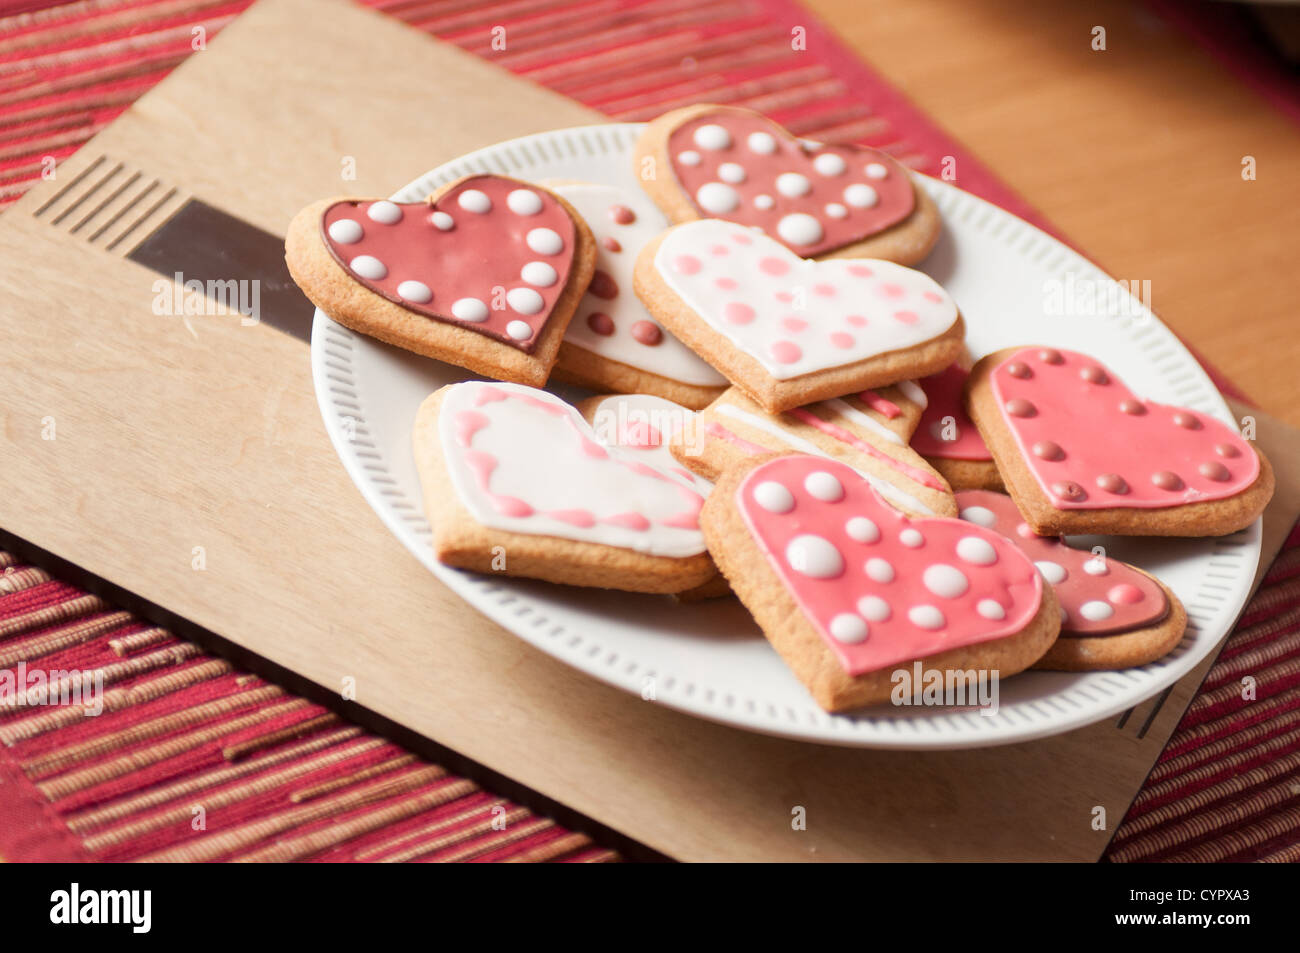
pixel 731 172
pixel 979 515
pixel 847 627
pixel 861 196
pixel 836 210
pixel 442 221
pixel 712 136
pixel 824 486
pixel 799 229
pixel 990 609
pixel 874 608
pixel 539 273
pixel 469 309
pixel 773 497
pixel 927 617
pixel 946 581
pixel 879 570
pixel 472 200
pixel 876 171
pixel 911 538
pixel 828 163
pixel 1095 567
pixel 519 330
pixel 763 202
pixel 862 529
pixel 345 231
pixel 977 551
pixel 793 184
pixel 416 291
pixel 368 266
pixel 525 301
pixel 545 241
pixel 761 142
pixel 385 212
pixel 689 157
pixel 717 198
pixel 524 202
pixel 814 556
pixel 1096 611
pixel 1052 572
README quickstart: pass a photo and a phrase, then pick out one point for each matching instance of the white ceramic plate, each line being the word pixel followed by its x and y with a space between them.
pixel 710 659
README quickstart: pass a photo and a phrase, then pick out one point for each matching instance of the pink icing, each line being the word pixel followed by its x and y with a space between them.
pixel 480 253
pixel 894 197
pixel 944 393
pixel 1134 600
pixel 1091 444
pixel 916 474
pixel 866 615
pixel 719 432
pixel 879 404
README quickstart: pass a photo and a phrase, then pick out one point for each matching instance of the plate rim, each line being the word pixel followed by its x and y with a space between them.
pixel 485 594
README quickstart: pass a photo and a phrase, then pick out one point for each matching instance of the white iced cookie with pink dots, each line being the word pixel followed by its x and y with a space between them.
pixel 849 590
pixel 818 200
pixel 790 330
pixel 516 482
pixel 613 343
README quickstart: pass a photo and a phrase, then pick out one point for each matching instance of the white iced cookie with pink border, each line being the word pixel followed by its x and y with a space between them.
pixel 849 590
pixel 819 200
pixel 790 330
pixel 647 425
pixel 613 344
pixel 516 482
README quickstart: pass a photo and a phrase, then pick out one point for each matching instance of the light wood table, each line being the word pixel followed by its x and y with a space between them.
pixel 1134 152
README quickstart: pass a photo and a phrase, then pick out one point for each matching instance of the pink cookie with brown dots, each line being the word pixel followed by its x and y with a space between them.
pixel 1113 615
pixel 486 274
pixel 820 201
pixel 789 330
pixel 613 343
pixel 849 590
pixel 1081 453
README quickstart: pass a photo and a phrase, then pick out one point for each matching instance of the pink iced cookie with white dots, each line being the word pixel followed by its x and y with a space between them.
pixel 849 590
pixel 947 437
pixel 486 274
pixel 789 330
pixel 1113 615
pixel 818 200
pixel 1081 453
pixel 516 482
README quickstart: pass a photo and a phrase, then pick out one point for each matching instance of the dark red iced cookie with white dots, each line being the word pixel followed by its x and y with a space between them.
pixel 485 274
pixel 709 161
pixel 1113 615
pixel 1081 453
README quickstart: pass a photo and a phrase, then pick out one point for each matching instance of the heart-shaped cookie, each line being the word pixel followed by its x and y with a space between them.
pixel 517 469
pixel 486 274
pixel 1112 614
pixel 879 588
pixel 791 330
pixel 735 164
pixel 613 344
pixel 948 438
pixel 1080 452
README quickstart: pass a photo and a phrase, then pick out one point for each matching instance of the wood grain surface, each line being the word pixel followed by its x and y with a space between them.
pixel 1135 153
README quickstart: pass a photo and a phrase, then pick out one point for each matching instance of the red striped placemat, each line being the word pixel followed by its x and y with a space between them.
pixel 193 759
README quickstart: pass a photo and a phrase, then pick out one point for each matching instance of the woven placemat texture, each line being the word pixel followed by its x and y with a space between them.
pixel 195 760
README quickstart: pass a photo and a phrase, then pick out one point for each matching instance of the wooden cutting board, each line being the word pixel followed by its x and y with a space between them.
pixel 183 458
